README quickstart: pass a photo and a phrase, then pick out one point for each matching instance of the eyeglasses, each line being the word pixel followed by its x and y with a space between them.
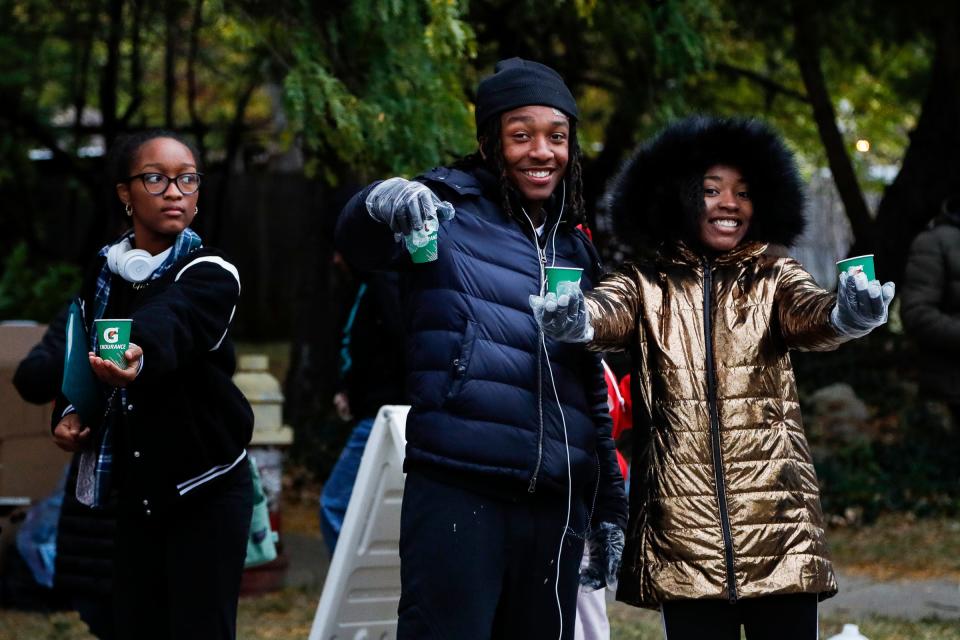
pixel 157 183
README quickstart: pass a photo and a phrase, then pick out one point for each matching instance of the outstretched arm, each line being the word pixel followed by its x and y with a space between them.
pixel 192 315
pixel 813 319
pixel 373 221
pixel 605 318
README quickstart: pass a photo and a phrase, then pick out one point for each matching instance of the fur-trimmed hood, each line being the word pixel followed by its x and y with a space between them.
pixel 658 194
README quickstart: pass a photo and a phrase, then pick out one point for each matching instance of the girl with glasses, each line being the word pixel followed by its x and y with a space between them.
pixel 170 446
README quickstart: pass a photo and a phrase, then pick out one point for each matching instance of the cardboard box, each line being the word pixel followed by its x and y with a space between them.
pixel 30 464
pixel 18 417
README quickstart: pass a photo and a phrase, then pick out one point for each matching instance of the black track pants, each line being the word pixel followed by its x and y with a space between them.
pixel 479 568
pixel 788 617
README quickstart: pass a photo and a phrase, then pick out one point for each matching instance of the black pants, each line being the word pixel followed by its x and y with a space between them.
pixel 788 617
pixel 474 567
pixel 177 577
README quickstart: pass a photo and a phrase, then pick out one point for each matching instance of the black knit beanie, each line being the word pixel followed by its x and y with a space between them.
pixel 517 83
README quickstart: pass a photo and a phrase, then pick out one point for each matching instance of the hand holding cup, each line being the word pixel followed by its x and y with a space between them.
pixel 109 373
pixel 563 315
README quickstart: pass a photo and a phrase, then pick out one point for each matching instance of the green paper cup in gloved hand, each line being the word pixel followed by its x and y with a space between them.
pixel 422 243
pixel 858 264
pixel 113 339
pixel 556 275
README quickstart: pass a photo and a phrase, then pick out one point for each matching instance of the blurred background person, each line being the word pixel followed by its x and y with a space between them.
pixel 370 376
pixel 930 307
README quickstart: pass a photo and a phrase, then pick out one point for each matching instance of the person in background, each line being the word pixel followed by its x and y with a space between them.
pixel 171 444
pixel 726 528
pixel 370 376
pixel 930 306
pixel 509 460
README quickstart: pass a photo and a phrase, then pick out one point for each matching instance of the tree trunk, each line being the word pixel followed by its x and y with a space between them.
pixel 807 51
pixel 930 170
pixel 136 66
pixel 233 146
pixel 111 72
pixel 616 147
pixel 81 73
pixel 169 61
pixel 196 122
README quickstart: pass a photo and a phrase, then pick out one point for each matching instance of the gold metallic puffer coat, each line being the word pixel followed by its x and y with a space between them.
pixel 724 501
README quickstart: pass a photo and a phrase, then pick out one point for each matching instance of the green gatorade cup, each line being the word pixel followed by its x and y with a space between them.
pixel 556 275
pixel 113 339
pixel 426 253
pixel 858 264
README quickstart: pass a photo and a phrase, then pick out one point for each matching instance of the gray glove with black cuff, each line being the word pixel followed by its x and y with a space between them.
pixel 605 549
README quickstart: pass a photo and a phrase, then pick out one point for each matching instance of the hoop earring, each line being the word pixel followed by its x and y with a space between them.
pixel 196 210
pixel 128 209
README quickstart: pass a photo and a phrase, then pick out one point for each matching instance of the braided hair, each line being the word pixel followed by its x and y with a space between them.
pixel 490 156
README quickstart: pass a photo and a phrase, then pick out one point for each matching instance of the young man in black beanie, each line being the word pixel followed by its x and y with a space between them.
pixel 510 463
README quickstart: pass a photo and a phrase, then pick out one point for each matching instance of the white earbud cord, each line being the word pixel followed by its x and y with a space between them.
pixel 541 260
pixel 553 242
pixel 542 255
pixel 566 524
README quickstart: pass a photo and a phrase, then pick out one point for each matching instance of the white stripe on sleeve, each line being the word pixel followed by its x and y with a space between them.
pixel 232 270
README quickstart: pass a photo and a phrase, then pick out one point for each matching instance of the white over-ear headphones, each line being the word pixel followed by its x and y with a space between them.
pixel 133 265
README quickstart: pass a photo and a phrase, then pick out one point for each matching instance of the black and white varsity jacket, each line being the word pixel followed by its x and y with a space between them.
pixel 182 424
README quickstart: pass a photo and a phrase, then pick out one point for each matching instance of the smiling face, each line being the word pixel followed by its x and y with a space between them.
pixel 536 148
pixel 727 209
pixel 159 218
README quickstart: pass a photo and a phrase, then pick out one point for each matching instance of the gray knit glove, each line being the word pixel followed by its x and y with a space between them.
pixel 605 548
pixel 861 304
pixel 563 316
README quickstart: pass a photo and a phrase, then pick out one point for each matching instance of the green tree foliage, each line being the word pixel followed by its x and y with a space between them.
pixel 376 86
pixel 888 74
pixel 625 62
pixel 28 292
pixel 75 74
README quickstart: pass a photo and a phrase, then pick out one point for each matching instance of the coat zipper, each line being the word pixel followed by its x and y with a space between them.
pixel 532 488
pixel 715 430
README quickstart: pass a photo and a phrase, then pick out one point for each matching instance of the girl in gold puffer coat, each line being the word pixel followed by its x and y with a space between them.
pixel 725 524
